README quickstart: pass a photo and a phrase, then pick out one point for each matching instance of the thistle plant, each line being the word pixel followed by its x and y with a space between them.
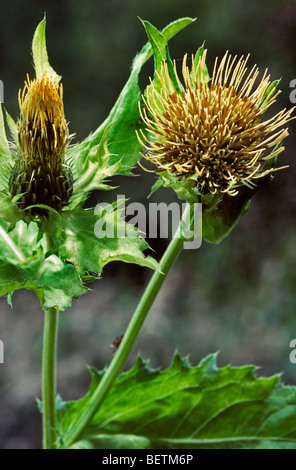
pixel 209 140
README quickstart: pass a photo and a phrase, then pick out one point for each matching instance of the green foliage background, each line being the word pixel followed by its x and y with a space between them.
pixel 238 297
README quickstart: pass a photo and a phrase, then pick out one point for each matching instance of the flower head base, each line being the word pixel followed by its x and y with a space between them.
pixel 40 175
pixel 213 133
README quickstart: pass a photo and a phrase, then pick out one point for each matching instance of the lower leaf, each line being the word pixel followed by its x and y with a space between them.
pixel 187 407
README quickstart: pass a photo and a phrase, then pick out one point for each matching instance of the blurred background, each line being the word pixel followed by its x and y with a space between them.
pixel 237 298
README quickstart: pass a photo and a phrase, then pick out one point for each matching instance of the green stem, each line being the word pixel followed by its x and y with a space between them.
pixel 130 335
pixel 49 377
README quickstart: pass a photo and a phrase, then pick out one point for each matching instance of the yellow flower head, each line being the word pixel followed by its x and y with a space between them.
pixel 40 175
pixel 213 132
pixel 42 129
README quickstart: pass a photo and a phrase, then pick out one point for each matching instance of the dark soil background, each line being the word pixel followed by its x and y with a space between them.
pixel 238 297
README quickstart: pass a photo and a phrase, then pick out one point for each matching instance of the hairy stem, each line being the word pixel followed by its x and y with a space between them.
pixel 49 378
pixel 130 335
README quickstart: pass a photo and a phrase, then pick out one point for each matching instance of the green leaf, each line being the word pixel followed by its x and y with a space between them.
pixel 158 43
pixel 40 57
pixel 4 148
pixel 82 242
pixel 60 283
pixel 12 126
pixel 93 239
pixel 220 213
pixel 196 70
pixel 9 209
pixel 158 184
pixel 80 250
pixel 161 54
pixel 90 166
pixel 19 244
pixel 270 92
pixel 124 117
pixel 187 407
pixel 24 264
pixel 6 157
pixel 220 218
pixel 185 188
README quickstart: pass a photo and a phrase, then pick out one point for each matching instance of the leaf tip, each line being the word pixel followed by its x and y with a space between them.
pixel 39 52
pixel 210 362
pixel 180 362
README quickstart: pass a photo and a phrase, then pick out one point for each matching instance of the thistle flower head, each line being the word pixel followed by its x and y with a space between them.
pixel 40 175
pixel 212 132
pixel 42 128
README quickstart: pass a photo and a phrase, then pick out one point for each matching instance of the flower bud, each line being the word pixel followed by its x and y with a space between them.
pixel 40 175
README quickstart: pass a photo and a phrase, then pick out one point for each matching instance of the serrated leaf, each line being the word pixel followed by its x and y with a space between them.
pixel 24 265
pixel 92 240
pixel 60 283
pixel 90 167
pixel 187 407
pixel 40 57
pixel 77 253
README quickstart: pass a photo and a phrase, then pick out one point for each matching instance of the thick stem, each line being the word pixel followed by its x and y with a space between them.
pixel 130 335
pixel 49 378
